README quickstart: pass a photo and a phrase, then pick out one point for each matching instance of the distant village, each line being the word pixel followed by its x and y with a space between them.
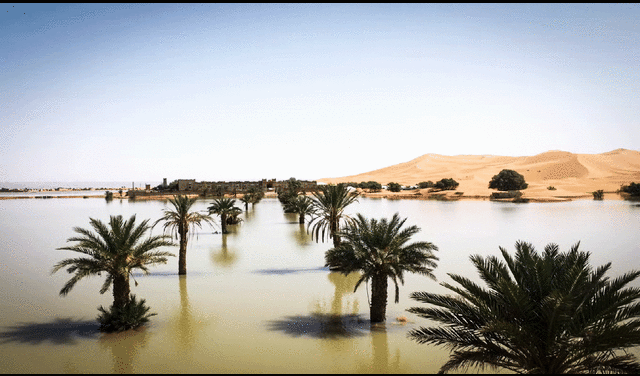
pixel 223 187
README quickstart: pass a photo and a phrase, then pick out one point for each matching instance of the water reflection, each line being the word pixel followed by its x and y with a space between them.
pixel 124 348
pixel 381 361
pixel 62 331
pixel 185 326
pixel 223 257
pixel 343 285
pixel 300 235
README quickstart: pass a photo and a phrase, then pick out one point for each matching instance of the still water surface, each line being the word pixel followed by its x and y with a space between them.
pixel 259 299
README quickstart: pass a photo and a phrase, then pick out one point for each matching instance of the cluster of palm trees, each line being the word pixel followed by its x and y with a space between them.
pixel 542 313
pixel 117 248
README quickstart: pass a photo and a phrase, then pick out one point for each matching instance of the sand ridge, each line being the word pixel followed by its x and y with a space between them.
pixel 573 175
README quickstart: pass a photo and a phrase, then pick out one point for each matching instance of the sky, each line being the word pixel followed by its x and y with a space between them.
pixel 213 92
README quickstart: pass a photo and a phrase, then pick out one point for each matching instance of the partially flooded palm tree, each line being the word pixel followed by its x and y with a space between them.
pixel 329 204
pixel 302 205
pixel 115 249
pixel 246 200
pixel 380 250
pixel 180 222
pixel 541 313
pixel 224 207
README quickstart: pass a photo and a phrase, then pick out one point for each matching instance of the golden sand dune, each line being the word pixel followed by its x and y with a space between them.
pixel 573 175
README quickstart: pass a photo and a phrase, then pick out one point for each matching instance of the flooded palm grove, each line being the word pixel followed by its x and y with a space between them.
pixel 259 299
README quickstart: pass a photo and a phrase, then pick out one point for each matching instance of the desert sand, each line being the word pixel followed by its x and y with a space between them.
pixel 574 176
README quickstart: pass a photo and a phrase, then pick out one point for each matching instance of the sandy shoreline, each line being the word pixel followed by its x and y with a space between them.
pixel 417 194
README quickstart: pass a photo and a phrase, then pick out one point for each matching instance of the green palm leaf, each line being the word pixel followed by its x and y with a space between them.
pixel 540 313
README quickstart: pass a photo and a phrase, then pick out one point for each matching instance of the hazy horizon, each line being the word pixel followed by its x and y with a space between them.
pixel 224 92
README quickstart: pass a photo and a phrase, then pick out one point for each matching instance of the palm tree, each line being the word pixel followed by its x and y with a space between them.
pixel 179 222
pixel 328 210
pixel 115 250
pixel 548 313
pixel 301 205
pixel 246 199
pixel 379 251
pixel 255 195
pixel 223 207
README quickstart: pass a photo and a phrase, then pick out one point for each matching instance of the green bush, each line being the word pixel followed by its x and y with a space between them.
pixel 551 188
pixel 394 187
pixel 108 195
pixel 371 185
pixel 508 180
pixel 446 184
pixel 598 195
pixel 134 314
pixel 426 184
pixel 632 189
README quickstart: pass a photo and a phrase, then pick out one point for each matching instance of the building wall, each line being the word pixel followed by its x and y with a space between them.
pixel 190 185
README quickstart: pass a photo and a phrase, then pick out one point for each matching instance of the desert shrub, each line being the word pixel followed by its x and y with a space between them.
pixel 632 189
pixel 132 315
pixel 108 195
pixel 371 185
pixel 508 180
pixel 598 195
pixel 551 188
pixel 394 187
pixel 446 184
pixel 506 194
pixel 426 184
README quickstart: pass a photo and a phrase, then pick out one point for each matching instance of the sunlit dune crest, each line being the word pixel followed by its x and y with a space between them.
pixel 572 175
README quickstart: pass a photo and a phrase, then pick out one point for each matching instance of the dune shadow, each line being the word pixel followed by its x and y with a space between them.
pixel 322 326
pixel 291 270
pixel 62 331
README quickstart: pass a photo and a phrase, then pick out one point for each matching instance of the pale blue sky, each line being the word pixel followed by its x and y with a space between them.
pixel 127 92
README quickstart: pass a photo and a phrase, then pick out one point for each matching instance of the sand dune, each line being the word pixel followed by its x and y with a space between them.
pixel 573 175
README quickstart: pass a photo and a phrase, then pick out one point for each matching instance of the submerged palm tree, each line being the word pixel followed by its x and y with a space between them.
pixel 328 209
pixel 115 250
pixel 548 313
pixel 180 222
pixel 224 207
pixel 379 250
pixel 302 205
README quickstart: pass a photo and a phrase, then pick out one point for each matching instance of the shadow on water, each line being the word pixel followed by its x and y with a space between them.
pixel 322 326
pixel 291 270
pixel 62 331
pixel 124 347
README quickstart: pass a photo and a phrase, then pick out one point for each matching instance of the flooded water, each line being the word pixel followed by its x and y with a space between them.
pixel 258 300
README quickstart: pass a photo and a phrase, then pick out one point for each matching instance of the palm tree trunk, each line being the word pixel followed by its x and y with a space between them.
pixel 378 309
pixel 182 254
pixel 223 221
pixel 334 229
pixel 121 290
pixel 301 218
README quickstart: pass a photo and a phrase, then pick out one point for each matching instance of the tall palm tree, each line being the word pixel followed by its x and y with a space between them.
pixel 301 205
pixel 379 250
pixel 115 250
pixel 180 222
pixel 223 207
pixel 541 313
pixel 328 210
